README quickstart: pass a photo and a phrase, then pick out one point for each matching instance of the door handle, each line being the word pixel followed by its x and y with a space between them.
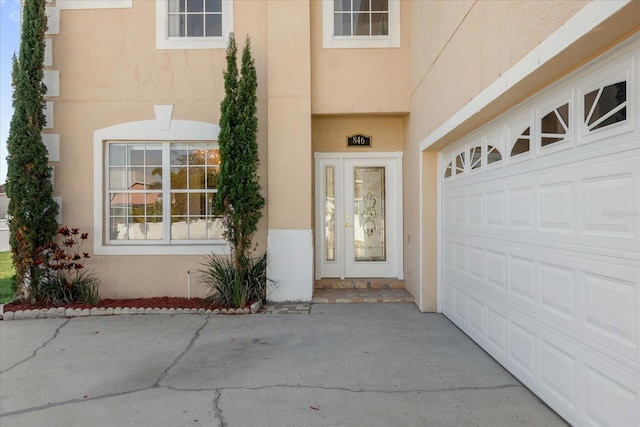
pixel 346 224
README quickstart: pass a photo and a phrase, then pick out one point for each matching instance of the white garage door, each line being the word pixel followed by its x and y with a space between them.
pixel 540 241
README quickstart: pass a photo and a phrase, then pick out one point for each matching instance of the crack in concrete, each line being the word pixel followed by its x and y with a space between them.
pixel 217 408
pixel 349 390
pixel 55 335
pixel 195 336
pixel 156 384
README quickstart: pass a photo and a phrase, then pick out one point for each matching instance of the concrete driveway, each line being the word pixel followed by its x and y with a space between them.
pixel 341 365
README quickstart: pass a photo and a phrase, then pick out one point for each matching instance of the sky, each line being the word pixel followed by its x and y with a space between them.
pixel 9 43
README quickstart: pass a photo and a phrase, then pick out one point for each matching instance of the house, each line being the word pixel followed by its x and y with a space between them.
pixel 486 153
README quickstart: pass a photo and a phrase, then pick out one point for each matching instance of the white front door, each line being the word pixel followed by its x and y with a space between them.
pixel 358 217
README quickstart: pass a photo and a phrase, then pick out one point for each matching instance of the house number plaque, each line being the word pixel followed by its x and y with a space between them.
pixel 358 141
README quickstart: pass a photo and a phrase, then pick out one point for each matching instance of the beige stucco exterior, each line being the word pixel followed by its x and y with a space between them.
pixel 310 99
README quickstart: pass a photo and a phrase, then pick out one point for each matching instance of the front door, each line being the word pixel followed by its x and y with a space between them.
pixel 358 218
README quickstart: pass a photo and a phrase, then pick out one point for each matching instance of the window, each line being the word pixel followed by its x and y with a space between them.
pixel 448 171
pixel 361 23
pixel 522 144
pixel 195 18
pixel 193 24
pixel 605 106
pixel 475 155
pixel 460 164
pixel 162 192
pixel 554 126
pixel 493 154
pixel 361 18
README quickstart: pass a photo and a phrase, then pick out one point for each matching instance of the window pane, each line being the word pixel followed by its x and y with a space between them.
pixel 179 154
pixel 195 6
pixel 195 25
pixel 213 25
pixel 549 140
pixel 197 204
pixel 213 173
pixel 176 6
pixel 476 157
pixel 213 5
pixel 361 5
pixel 620 116
pixel 379 5
pixel 361 24
pixel 493 155
pixel 341 5
pixel 342 24
pixel 551 124
pixel 153 155
pixel 176 25
pixel 213 156
pixel 196 154
pixel 135 178
pixel 196 177
pixel 153 177
pixel 521 146
pixel 379 24
pixel 178 206
pixel 329 214
pixel 369 214
pixel 179 177
pixel 608 101
pixel 179 229
pixel 136 154
pixel 117 154
pixel 117 178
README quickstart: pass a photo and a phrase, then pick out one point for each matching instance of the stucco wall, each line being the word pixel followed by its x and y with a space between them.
pixel 457 50
pixel 359 80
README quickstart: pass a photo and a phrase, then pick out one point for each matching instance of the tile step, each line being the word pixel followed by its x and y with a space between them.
pixel 355 296
pixel 374 283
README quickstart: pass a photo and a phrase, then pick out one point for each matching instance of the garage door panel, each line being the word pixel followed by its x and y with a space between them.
pixel 585 297
pixel 611 293
pixel 611 396
pixel 558 371
pixel 556 366
pixel 593 209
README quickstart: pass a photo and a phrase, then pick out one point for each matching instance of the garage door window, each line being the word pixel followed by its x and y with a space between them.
pixel 493 154
pixel 476 157
pixel 606 106
pixel 522 144
pixel 554 126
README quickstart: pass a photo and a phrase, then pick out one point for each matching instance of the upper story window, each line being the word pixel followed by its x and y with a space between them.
pixel 361 23
pixel 195 18
pixel 193 24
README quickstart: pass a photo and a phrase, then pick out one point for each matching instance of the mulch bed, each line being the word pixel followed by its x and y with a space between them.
pixel 159 302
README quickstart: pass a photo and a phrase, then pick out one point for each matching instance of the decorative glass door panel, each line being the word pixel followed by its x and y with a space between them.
pixel 369 214
pixel 358 217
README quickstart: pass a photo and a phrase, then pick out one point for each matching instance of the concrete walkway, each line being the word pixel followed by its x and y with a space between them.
pixel 355 365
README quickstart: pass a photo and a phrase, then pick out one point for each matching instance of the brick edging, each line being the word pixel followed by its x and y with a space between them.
pixel 102 311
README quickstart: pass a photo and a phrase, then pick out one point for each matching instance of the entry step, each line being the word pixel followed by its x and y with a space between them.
pixel 358 295
pixel 374 283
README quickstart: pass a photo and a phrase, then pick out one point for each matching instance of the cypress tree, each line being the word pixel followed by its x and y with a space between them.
pixel 31 209
pixel 238 186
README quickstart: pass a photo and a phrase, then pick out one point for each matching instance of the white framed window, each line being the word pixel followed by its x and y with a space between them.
pixel 361 23
pixel 193 24
pixel 153 187
pixel 161 192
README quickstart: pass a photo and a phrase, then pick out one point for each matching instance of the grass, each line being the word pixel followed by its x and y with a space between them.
pixel 7 277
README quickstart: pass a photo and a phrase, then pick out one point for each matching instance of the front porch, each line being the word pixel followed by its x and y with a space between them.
pixel 352 291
